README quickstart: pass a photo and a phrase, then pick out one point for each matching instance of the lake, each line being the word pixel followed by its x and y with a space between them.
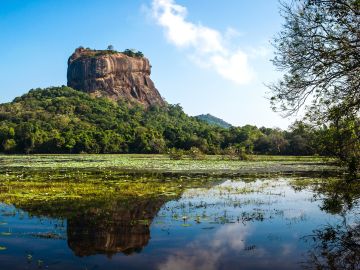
pixel 142 222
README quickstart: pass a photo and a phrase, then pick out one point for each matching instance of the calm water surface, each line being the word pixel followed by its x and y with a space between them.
pixel 234 224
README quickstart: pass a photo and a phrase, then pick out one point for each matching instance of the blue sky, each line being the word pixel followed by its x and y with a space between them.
pixel 210 56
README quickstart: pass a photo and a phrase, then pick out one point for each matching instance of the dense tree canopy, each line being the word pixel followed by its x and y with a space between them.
pixel 318 50
pixel 63 120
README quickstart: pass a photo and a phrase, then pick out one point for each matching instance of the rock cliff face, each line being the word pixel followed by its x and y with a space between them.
pixel 114 75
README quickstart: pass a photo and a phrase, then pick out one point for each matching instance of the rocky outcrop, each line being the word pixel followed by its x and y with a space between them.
pixel 114 75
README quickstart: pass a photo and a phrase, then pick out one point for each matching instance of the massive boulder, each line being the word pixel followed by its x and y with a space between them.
pixel 106 73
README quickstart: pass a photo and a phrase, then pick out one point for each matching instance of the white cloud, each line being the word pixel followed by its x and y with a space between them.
pixel 206 46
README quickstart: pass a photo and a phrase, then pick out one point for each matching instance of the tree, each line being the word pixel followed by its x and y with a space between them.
pixel 343 136
pixel 9 145
pixel 110 48
pixel 129 52
pixel 139 54
pixel 318 50
pixel 301 139
pixel 277 142
pixel 133 53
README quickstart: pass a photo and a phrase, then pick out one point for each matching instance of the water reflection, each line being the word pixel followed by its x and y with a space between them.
pixel 207 254
pixel 125 228
pixel 337 246
pixel 280 223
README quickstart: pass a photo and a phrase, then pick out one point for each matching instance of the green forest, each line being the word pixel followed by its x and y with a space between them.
pixel 63 120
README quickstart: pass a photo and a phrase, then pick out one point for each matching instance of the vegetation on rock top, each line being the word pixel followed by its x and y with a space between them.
pixel 88 53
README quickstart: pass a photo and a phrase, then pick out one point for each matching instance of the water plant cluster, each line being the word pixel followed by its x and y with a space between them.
pixel 209 165
pixel 105 210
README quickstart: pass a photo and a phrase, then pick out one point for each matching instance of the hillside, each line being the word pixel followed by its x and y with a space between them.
pixel 213 120
pixel 63 120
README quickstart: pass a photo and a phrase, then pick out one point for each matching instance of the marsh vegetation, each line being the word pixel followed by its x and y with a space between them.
pixel 106 212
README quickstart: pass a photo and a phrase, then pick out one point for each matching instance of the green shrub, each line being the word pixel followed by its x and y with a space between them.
pixel 236 153
pixel 241 153
pixel 176 154
pixel 133 53
pixel 9 146
pixel 229 152
pixel 196 153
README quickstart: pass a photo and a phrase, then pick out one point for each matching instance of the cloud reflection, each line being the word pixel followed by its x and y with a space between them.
pixel 206 252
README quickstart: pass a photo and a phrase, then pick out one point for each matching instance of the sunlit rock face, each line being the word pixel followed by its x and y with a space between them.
pixel 124 228
pixel 114 75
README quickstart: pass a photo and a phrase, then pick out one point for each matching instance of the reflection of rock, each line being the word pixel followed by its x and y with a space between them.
pixel 122 228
